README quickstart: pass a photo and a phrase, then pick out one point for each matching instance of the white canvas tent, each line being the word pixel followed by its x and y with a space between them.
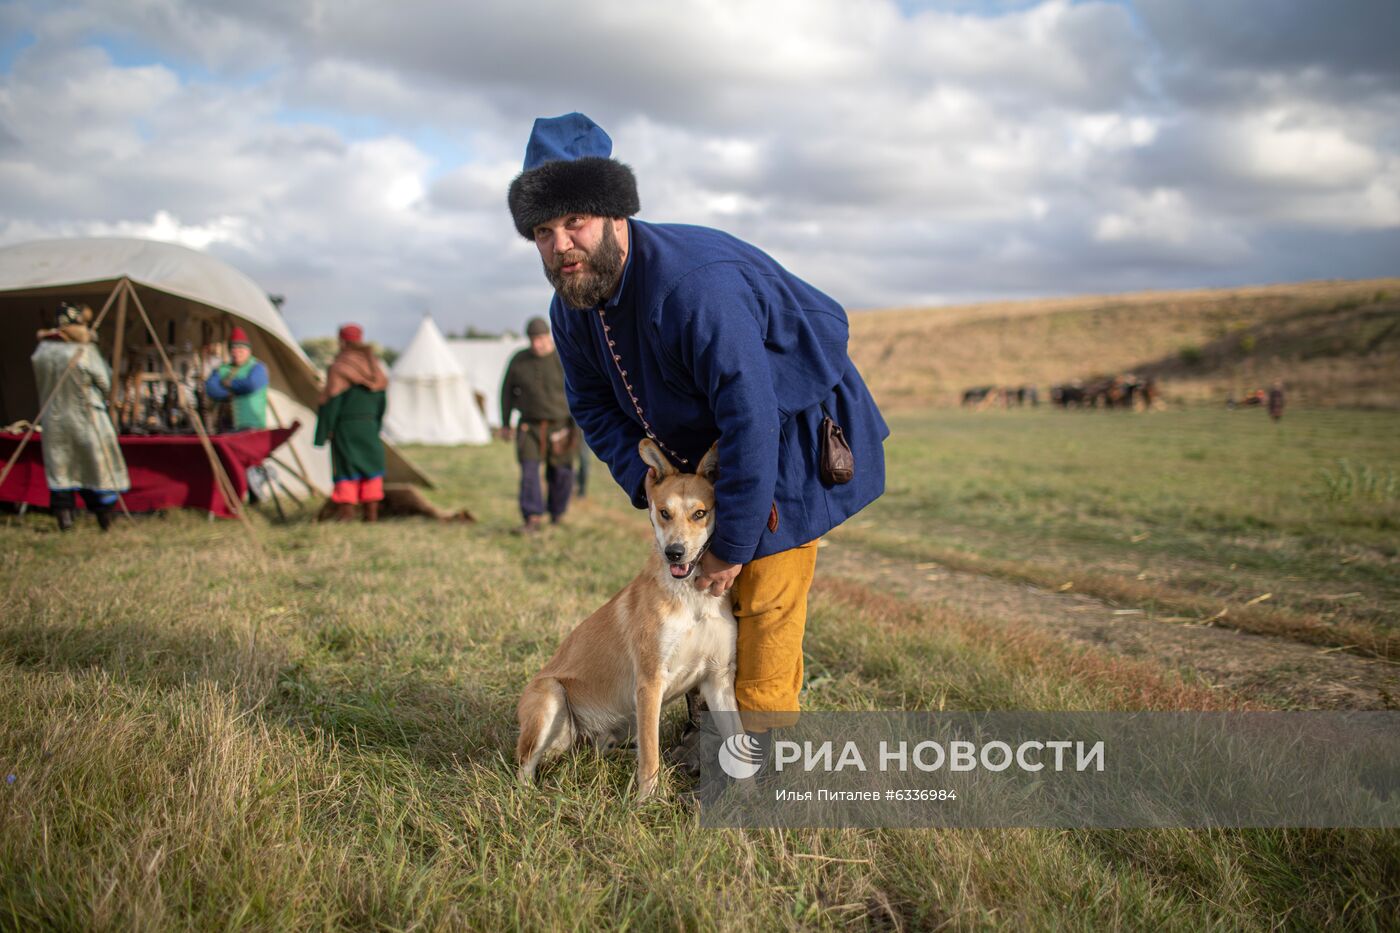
pixel 484 362
pixel 192 298
pixel 430 399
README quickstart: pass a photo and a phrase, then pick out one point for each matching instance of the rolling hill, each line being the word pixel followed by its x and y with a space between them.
pixel 1332 343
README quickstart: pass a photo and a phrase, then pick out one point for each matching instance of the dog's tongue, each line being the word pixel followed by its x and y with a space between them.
pixel 679 570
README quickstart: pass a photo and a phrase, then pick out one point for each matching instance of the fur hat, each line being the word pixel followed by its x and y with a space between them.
pixel 70 314
pixel 568 170
pixel 73 324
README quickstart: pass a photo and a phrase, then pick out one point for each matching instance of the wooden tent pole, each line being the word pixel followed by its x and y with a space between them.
pixel 118 339
pixel 221 478
pixel 272 488
pixel 225 484
pixel 301 479
pixel 305 475
pixel 117 348
pixel 68 371
pixel 107 460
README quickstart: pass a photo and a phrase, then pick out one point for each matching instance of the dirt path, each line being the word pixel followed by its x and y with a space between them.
pixel 1273 669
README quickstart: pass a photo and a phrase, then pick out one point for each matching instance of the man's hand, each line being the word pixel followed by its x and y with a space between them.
pixel 504 433
pixel 716 576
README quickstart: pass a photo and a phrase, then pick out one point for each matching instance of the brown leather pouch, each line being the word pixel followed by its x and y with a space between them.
pixel 561 442
pixel 838 464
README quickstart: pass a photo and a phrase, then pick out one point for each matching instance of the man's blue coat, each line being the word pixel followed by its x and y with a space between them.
pixel 719 342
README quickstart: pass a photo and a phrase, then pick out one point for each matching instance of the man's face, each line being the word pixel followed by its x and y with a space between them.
pixel 583 256
pixel 542 344
pixel 239 353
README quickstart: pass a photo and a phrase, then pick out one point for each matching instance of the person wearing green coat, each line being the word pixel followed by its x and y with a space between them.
pixel 242 383
pixel 350 413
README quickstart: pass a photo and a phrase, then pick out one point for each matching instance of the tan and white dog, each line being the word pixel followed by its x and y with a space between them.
pixel 654 641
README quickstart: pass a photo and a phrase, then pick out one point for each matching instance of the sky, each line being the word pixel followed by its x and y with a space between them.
pixel 353 156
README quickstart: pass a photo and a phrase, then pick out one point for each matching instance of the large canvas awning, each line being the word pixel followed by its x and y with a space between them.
pixel 190 296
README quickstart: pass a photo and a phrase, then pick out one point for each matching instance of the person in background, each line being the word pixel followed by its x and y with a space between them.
pixel 350 414
pixel 81 454
pixel 534 386
pixel 243 382
pixel 1276 401
pixel 583 455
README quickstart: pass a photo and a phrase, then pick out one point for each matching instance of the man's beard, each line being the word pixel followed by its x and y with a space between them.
pixel 592 288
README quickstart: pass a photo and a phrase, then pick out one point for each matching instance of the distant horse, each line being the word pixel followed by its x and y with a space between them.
pixel 1067 395
pixel 976 394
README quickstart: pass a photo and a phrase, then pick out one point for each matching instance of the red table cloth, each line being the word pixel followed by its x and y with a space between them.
pixel 168 471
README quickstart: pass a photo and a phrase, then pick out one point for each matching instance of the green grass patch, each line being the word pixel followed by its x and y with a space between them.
pixel 319 737
pixel 1199 509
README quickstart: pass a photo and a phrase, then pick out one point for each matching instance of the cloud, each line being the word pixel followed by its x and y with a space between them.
pixel 1344 37
pixel 1165 223
pixel 354 155
pixel 163 227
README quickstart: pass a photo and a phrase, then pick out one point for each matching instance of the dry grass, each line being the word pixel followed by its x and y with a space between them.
pixel 1332 343
pixel 1196 514
pixel 1113 682
pixel 1304 627
pixel 321 740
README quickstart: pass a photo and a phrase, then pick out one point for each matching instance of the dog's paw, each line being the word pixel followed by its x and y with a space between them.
pixel 647 792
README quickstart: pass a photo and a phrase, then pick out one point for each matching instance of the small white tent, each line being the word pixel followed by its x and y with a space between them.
pixel 484 361
pixel 430 400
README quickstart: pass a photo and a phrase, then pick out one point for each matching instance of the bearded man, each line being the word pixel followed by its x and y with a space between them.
pixel 689 336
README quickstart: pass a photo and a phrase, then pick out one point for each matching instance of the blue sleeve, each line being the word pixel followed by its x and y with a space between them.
pixel 214 386
pixel 255 380
pixel 713 319
pixel 611 435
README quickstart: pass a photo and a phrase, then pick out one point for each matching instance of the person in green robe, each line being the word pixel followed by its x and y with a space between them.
pixel 350 414
pixel 81 454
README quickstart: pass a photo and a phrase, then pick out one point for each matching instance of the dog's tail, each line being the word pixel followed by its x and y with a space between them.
pixel 546 727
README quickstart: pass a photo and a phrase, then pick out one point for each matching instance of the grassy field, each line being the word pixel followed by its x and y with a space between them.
pixel 1334 344
pixel 204 735
pixel 1191 512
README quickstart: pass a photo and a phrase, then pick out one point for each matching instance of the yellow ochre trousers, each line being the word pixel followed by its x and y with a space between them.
pixel 770 603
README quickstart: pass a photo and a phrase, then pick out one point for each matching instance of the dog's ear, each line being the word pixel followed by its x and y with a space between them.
pixel 709 464
pixel 656 460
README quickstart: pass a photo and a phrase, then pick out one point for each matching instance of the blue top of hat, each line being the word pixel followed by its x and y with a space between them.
pixel 564 139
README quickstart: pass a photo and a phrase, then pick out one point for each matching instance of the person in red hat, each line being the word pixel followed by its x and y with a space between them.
pixel 349 416
pixel 242 382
